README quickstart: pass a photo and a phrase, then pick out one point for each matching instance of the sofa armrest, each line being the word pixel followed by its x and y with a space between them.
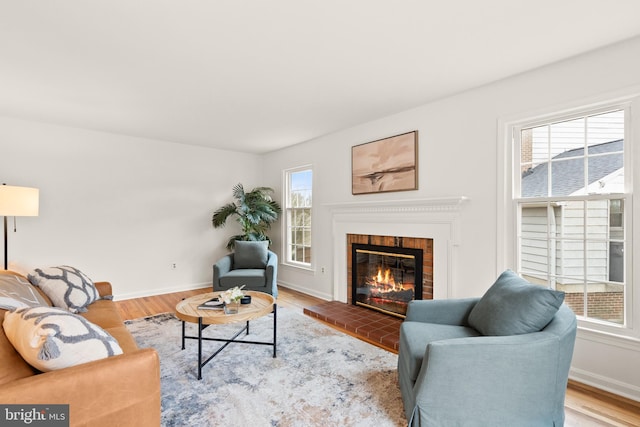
pixel 222 267
pixel 486 375
pixel 444 312
pixel 122 390
pixel 104 289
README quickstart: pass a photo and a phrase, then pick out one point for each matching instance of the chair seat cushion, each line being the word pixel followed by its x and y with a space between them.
pixel 250 277
pixel 414 338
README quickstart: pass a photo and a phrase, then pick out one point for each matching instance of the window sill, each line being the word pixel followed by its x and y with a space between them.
pixel 302 267
pixel 588 332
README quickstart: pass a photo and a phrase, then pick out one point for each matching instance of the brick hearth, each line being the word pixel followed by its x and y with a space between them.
pixel 369 325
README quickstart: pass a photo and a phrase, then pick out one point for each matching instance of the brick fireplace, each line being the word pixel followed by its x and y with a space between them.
pixel 402 270
pixel 390 222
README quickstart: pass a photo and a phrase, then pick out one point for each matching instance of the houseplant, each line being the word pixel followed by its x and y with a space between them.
pixel 255 211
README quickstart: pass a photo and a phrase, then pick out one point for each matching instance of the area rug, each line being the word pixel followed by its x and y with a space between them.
pixel 320 377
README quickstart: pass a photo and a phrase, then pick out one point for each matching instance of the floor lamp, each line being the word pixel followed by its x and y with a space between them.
pixel 16 201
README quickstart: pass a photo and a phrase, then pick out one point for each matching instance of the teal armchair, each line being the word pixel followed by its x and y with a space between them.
pixel 251 265
pixel 493 361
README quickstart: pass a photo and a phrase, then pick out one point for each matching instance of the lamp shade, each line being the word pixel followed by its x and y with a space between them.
pixel 18 201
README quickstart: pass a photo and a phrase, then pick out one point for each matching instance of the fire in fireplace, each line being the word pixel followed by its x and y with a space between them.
pixel 385 278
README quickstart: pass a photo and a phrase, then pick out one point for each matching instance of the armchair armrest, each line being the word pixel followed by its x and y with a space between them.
pixel 444 312
pixel 222 267
pixel 272 273
pixel 489 374
pixel 123 389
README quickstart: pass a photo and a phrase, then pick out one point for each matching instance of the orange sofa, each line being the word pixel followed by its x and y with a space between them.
pixel 122 390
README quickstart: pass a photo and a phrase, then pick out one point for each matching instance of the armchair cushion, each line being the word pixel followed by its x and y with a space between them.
pixel 249 277
pixel 513 306
pixel 250 254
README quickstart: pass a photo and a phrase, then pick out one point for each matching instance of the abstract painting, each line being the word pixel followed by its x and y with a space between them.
pixel 388 164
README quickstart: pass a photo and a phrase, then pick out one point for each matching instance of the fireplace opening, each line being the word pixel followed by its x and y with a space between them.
pixel 385 278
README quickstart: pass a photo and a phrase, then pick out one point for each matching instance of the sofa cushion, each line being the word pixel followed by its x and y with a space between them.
pixel 250 254
pixel 17 292
pixel 50 338
pixel 513 306
pixel 67 287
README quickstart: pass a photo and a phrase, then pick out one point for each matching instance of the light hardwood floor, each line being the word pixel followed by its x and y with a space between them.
pixel 584 406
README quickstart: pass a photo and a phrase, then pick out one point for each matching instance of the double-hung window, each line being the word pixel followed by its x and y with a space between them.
pixel 572 201
pixel 298 191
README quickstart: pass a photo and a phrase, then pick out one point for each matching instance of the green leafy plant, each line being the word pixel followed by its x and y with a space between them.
pixel 255 211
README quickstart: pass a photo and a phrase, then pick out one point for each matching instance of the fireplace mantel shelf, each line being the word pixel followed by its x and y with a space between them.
pixel 430 204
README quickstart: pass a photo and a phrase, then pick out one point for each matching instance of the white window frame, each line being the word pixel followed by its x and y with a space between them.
pixel 507 215
pixel 286 234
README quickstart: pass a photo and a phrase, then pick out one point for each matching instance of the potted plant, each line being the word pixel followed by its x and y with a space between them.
pixel 255 211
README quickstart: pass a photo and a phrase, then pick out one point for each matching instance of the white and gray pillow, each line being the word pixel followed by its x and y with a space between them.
pixel 50 338
pixel 66 286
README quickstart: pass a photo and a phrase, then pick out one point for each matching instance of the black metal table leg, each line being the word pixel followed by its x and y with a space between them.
pixel 183 333
pixel 275 309
pixel 199 348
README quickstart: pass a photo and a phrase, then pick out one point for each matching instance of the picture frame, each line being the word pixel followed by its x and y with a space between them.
pixel 385 165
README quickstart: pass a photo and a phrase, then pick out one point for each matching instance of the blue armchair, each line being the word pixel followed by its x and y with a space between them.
pixel 499 360
pixel 251 265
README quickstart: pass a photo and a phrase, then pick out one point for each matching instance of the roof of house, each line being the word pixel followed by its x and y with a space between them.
pixel 568 175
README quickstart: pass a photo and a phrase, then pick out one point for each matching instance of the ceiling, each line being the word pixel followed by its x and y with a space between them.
pixel 257 76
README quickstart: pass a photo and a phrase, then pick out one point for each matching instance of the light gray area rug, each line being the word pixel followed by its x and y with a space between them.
pixel 320 377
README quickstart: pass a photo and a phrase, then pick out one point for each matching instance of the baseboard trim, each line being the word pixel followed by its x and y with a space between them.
pixel 162 291
pixel 321 295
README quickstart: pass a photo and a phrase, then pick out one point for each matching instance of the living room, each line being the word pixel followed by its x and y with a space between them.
pixel 136 210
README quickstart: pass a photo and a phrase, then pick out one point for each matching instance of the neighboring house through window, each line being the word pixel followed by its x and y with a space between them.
pixel 298 191
pixel 573 209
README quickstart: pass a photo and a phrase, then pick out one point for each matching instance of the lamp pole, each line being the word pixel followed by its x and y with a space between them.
pixel 6 258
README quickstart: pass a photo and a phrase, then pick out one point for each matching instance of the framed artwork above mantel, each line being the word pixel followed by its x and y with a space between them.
pixel 389 164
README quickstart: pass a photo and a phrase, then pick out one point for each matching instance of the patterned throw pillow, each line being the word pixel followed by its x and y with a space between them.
pixel 49 338
pixel 67 287
pixel 16 292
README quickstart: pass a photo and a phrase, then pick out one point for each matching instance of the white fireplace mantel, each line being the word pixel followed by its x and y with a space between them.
pixel 448 204
pixel 435 218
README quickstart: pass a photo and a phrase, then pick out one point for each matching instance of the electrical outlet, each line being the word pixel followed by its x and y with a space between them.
pixel 174 266
pixel 322 270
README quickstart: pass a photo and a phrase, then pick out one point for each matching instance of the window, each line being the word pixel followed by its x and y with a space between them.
pixel 572 204
pixel 298 190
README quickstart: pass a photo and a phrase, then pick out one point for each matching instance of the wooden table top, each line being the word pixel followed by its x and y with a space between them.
pixel 261 305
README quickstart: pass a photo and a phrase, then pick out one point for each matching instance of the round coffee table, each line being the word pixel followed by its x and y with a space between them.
pixel 187 310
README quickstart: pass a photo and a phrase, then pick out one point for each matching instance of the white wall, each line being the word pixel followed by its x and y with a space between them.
pixel 458 139
pixel 120 208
